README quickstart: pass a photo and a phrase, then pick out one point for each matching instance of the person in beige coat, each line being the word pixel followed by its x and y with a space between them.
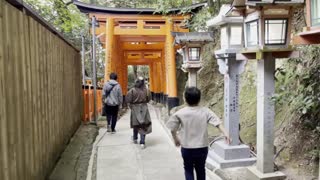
pixel 140 120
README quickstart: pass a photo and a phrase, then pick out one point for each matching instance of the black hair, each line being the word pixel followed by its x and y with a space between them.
pixel 192 95
pixel 113 76
pixel 139 83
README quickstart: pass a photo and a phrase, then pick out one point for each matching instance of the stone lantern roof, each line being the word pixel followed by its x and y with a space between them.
pixel 193 37
pixel 224 17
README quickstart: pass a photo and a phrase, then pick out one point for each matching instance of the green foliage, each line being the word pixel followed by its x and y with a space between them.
pixel 73 24
pixel 123 3
pixel 163 6
pixel 298 85
pixel 198 22
pixel 65 18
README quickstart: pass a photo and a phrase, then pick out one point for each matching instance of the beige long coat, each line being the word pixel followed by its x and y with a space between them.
pixel 137 98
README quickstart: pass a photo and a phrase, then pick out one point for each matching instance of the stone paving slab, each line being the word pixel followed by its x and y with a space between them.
pixel 119 159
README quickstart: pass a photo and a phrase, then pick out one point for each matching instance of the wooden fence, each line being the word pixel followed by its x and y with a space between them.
pixel 40 94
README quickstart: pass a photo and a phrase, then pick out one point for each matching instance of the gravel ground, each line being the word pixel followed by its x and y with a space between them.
pixel 73 164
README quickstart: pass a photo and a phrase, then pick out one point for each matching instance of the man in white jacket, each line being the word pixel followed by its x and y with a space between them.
pixel 112 99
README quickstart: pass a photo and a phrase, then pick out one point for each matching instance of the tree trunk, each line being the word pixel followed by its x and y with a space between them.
pixel 210 3
pixel 135 72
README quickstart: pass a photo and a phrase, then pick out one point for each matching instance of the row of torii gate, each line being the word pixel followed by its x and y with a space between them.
pixel 250 30
pixel 140 37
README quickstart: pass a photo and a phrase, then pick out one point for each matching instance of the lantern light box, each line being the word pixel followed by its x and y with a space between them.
pixel 269 27
pixel 191 44
pixel 231 35
pixel 266 27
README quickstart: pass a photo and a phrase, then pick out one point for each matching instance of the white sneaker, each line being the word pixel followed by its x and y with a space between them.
pixel 143 146
pixel 108 128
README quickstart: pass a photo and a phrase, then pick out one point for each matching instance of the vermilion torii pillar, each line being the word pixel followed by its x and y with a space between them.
pixel 109 47
pixel 173 99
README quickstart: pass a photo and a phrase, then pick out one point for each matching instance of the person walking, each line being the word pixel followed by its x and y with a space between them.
pixel 140 120
pixel 192 122
pixel 112 99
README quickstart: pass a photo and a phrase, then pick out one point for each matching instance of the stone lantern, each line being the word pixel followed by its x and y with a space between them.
pixel 268 28
pixel 267 33
pixel 236 154
pixel 267 24
pixel 191 44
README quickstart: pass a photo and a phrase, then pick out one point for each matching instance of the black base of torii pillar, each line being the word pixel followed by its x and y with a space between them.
pixel 172 102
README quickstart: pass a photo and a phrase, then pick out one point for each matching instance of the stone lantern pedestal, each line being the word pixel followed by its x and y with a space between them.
pixel 236 154
pixel 192 70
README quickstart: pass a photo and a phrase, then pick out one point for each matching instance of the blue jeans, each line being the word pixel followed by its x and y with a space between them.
pixel 194 159
pixel 135 136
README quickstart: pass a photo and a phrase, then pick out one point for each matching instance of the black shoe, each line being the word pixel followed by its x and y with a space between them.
pixel 113 131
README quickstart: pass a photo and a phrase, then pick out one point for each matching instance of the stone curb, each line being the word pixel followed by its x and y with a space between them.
pixel 222 174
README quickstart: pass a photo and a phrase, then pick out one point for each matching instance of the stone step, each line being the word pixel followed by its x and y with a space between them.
pixel 214 160
pixel 228 152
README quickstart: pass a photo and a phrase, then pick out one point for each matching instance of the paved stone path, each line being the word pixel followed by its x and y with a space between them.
pixel 119 159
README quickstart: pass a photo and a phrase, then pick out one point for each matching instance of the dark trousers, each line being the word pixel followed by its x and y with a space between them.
pixel 112 116
pixel 142 136
pixel 194 159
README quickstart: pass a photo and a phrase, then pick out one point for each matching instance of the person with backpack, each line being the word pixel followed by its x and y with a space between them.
pixel 112 99
pixel 140 120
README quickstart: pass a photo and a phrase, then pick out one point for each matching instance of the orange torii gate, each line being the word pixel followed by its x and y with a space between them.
pixel 141 37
